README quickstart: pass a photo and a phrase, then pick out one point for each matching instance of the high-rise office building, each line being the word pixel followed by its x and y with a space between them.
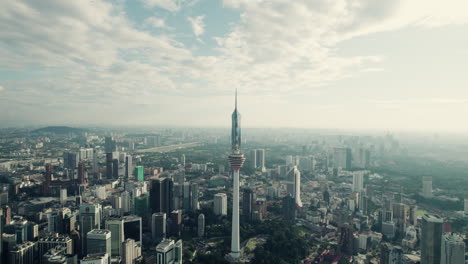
pixel 110 145
pixel 182 160
pixel 427 187
pixel 81 173
pixel 220 204
pixel 128 166
pixel 132 251
pixel 161 195
pixel 260 159
pixel 99 241
pixel 158 226
pixel 358 181
pixel 253 159
pixel 257 159
pixel 70 160
pixel 109 166
pixel 116 227
pixel 187 196
pixel 176 223
pixel 22 253
pixel 139 173
pixel 342 158
pixel 453 249
pixel 169 252
pixel 141 205
pixel 194 195
pixel 201 225
pixel 90 218
pixel 248 201
pixel 294 185
pixel 95 163
pixel 133 228
pixel 431 236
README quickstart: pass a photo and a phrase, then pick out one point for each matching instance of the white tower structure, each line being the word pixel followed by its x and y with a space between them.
pixel 427 187
pixel 236 160
pixel 358 181
pixel 294 185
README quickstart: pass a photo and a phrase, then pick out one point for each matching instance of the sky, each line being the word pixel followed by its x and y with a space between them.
pixel 345 64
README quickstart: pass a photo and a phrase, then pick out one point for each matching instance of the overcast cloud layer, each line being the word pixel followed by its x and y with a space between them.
pixel 391 65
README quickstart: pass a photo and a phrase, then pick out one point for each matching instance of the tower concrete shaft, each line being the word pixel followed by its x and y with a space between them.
pixel 236 160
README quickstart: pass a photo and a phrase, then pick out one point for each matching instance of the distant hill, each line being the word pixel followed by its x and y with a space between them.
pixel 59 130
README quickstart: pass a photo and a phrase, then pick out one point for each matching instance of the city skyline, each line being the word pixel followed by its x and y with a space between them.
pixel 340 64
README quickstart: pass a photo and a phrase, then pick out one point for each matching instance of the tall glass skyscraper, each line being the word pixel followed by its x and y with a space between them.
pixel 431 236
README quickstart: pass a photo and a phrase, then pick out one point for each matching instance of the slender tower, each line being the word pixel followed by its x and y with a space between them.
pixel 236 160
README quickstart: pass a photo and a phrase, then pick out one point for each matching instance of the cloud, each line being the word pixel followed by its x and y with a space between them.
pixel 2 88
pixel 171 5
pixel 198 26
pixel 155 22
pixel 93 60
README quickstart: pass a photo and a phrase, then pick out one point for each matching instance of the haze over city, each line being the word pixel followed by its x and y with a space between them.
pixel 363 64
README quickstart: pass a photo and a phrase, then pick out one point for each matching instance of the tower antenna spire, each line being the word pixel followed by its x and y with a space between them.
pixel 236 100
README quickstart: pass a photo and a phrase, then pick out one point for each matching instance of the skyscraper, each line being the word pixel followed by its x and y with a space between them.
pixel 358 181
pixel 89 220
pixel 248 199
pixel 294 185
pixel 453 249
pixel 133 228
pixel 201 225
pixel 220 204
pixel 236 160
pixel 158 226
pixel 116 226
pixel 99 241
pixel 260 159
pixel 427 187
pixel 161 195
pixel 431 236
pixel 139 173
pixel 342 158
pixel 110 145
pixel 131 250
pixel 128 166
pixel 253 159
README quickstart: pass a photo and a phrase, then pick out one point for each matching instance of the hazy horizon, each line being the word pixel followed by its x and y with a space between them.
pixel 338 65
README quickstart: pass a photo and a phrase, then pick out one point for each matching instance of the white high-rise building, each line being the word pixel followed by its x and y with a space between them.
pixel 427 187
pixel 294 185
pixel 358 181
pixel 453 249
pixel 220 204
pixel 63 196
pixel 201 225
pixel 131 250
